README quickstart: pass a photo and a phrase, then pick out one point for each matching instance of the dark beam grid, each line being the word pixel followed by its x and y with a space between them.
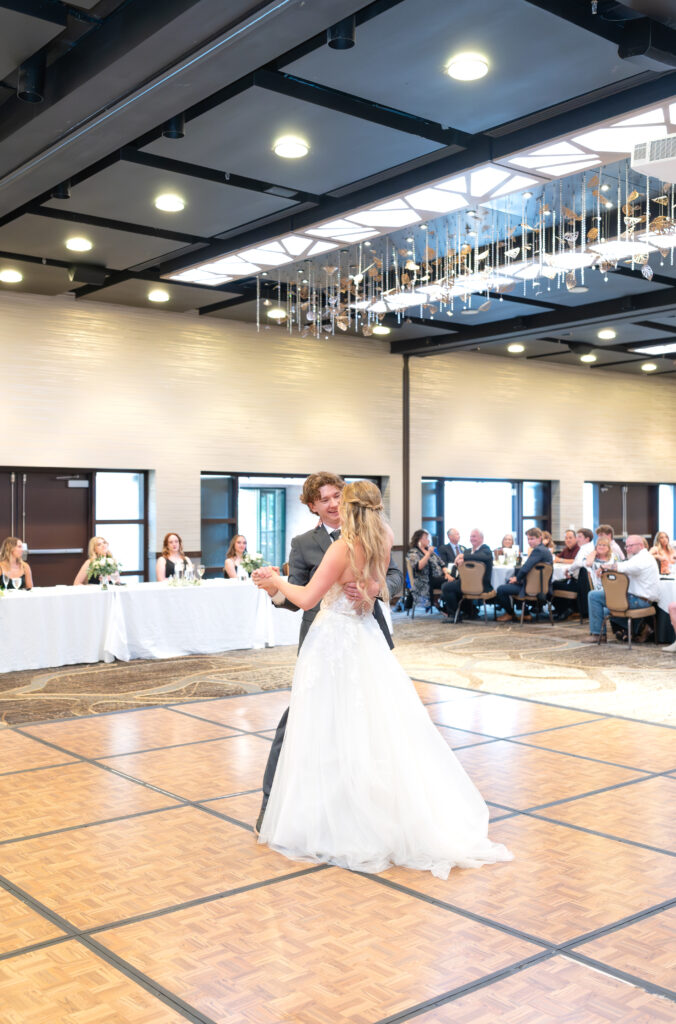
pixel 43 10
pixel 117 225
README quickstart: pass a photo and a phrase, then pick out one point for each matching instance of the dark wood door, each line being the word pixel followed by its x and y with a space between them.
pixel 629 508
pixel 51 511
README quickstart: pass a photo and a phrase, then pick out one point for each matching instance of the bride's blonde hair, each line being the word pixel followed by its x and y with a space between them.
pixel 362 521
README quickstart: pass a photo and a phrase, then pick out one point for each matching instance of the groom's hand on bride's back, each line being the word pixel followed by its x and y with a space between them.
pixel 353 593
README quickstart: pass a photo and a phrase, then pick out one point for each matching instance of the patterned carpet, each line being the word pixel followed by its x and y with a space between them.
pixel 534 661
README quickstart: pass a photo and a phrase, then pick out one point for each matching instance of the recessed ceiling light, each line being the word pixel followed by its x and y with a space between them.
pixel 381 329
pixel 605 188
pixel 169 202
pixel 78 244
pixel 467 67
pixel 516 347
pixel 579 288
pixel 10 276
pixel 649 367
pixel 528 195
pixel 277 313
pixel 588 357
pixel 291 147
pixel 158 295
pixel 606 334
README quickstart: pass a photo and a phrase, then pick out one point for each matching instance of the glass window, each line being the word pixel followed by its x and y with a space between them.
pixel 217 496
pixel 271 507
pixel 535 494
pixel 486 504
pixel 126 543
pixel 430 491
pixel 666 517
pixel 215 540
pixel 119 496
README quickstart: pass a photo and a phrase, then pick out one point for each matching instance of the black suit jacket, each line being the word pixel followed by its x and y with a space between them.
pixel 449 552
pixel 307 551
pixel 538 554
pixel 485 555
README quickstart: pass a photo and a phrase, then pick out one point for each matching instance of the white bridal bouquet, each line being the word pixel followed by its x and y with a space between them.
pixel 104 568
pixel 251 562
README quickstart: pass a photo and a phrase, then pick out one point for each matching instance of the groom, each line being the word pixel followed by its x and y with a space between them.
pixel 321 493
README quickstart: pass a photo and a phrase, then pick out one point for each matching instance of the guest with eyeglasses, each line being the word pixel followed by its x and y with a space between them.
pixel 13 567
pixel 643 590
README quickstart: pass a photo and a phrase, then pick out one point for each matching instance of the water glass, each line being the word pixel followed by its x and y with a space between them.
pixel 16 582
pixel 200 571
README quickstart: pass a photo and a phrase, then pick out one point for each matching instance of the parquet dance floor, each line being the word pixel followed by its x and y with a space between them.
pixel 132 890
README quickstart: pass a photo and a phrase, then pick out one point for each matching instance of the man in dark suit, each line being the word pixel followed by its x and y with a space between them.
pixel 449 552
pixel 321 493
pixel 517 584
pixel 479 552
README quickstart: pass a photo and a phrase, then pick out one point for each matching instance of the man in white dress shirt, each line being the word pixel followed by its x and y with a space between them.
pixel 644 586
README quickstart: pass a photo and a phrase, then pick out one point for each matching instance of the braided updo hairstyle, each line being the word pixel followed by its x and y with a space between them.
pixel 362 521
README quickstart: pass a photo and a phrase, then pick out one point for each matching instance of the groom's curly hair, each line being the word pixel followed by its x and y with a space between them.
pixel 314 484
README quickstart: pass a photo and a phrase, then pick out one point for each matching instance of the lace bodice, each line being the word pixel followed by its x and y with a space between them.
pixel 336 601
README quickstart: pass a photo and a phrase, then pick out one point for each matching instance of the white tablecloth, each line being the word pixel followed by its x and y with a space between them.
pixel 56 626
pixel 503 573
pixel 667 594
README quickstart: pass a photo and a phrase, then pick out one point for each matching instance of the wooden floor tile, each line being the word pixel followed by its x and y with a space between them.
pixel 68 984
pixel 434 692
pixel 520 776
pixel 503 716
pixel 650 747
pixel 107 735
pixel 20 926
pixel 203 770
pixel 18 753
pixel 562 883
pixel 259 711
pixel 643 812
pixel 557 991
pixel 109 872
pixel 244 808
pixel 644 949
pixel 74 794
pixel 457 738
pixel 325 948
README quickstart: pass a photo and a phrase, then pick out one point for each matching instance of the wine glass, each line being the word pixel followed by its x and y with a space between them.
pixel 5 581
pixel 16 582
pixel 200 571
pixel 178 573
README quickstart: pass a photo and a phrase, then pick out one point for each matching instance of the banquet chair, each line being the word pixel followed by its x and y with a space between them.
pixel 285 568
pixel 471 587
pixel 615 588
pixel 537 589
pixel 567 595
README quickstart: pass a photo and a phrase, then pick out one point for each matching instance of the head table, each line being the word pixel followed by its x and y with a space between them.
pixel 53 626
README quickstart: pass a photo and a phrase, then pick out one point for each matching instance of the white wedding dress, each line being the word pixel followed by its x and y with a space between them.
pixel 364 779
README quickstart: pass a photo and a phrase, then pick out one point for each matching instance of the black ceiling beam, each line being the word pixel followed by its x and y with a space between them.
pixel 116 225
pixel 132 155
pixel 654 325
pixel 525 326
pixel 44 10
pixel 355 106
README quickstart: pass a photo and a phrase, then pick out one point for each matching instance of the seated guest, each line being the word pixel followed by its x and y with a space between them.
pixel 605 530
pixel 13 567
pixel 582 545
pixel 517 584
pixel 571 546
pixel 507 546
pixel 429 572
pixel 644 588
pixel 449 552
pixel 97 548
pixel 233 568
pixel 172 558
pixel 451 591
pixel 548 541
pixel 671 608
pixel 601 557
pixel 664 552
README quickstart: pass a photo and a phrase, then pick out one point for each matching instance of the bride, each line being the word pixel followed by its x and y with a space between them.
pixel 364 779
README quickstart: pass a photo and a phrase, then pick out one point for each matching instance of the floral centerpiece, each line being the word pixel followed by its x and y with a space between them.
pixel 251 562
pixel 103 567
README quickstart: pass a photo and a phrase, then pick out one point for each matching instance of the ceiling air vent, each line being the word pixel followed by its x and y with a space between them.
pixel 656 159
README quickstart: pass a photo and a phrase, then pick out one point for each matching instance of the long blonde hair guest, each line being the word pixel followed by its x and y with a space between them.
pixel 363 523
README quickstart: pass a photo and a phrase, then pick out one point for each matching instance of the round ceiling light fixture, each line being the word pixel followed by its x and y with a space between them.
pixel 588 357
pixel 291 147
pixel 78 244
pixel 9 276
pixel 277 313
pixel 467 67
pixel 158 295
pixel 648 367
pixel 516 347
pixel 381 329
pixel 170 202
pixel 607 334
